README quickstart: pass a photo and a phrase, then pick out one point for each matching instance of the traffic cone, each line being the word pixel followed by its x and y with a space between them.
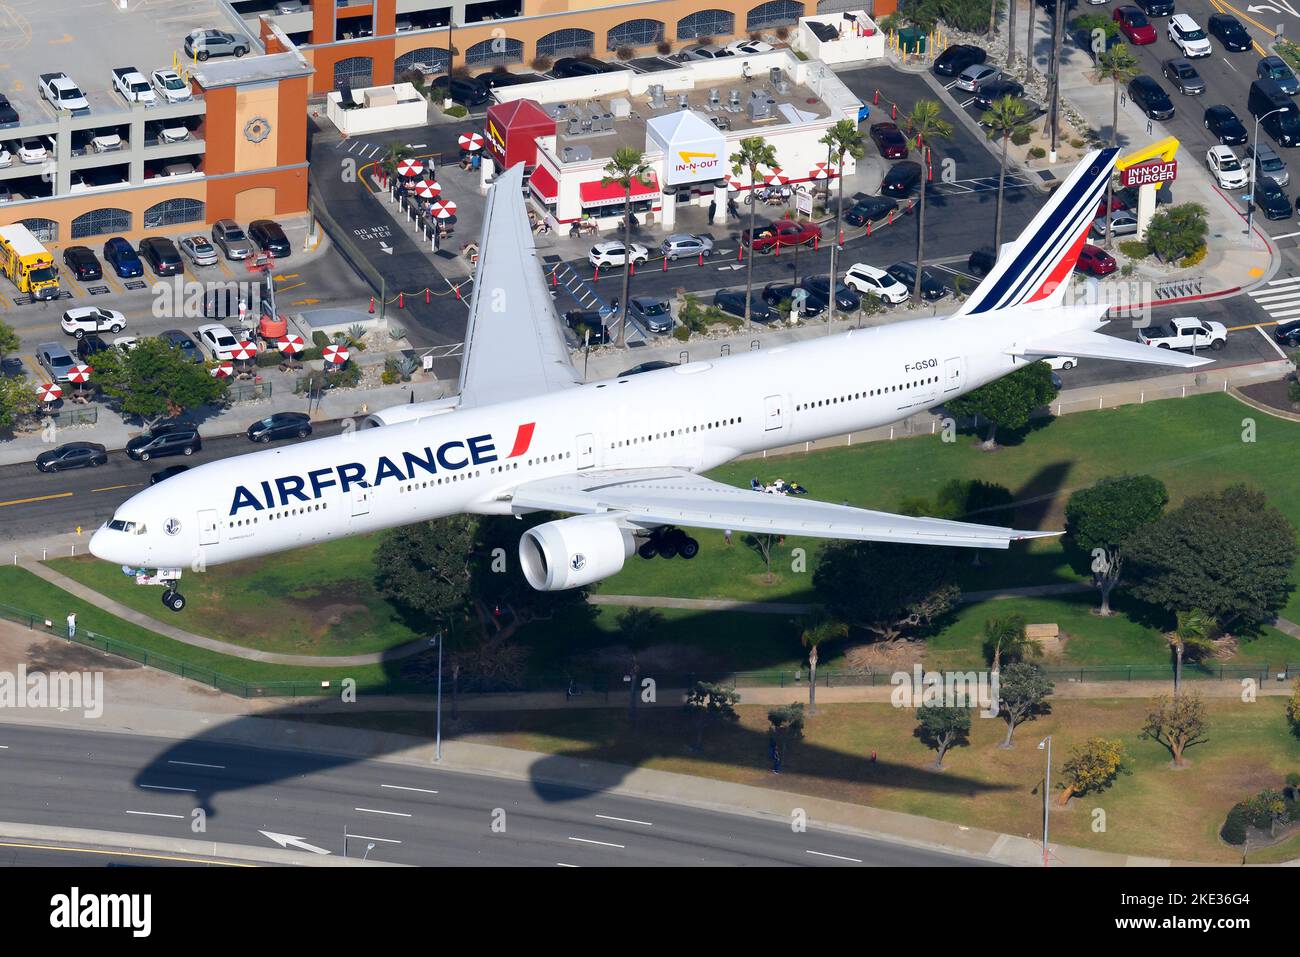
pixel 426 295
pixel 701 259
pixel 875 98
pixel 456 290
pixel 595 273
pixel 665 269
pixel 868 227
pixel 891 217
pixel 401 300
pixel 631 268
pixel 555 281
pixel 372 305
pixel 893 111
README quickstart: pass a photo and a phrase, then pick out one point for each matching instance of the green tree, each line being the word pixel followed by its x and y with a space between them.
pixel 887 588
pixel 502 597
pixel 942 729
pixel 1092 766
pixel 754 153
pixel 785 724
pixel 841 140
pixel 638 627
pixel 394 153
pixel 968 16
pixel 1101 519
pixel 1003 117
pixel 156 379
pixel 1005 640
pixel 815 633
pixel 1022 692
pixel 1009 401
pixel 1178 231
pixel 1119 66
pixel 1177 723
pixel 1194 633
pixel 425 569
pixel 708 704
pixel 8 340
pixel 1293 709
pixel 17 399
pixel 1229 553
pixel 626 167
pixel 926 123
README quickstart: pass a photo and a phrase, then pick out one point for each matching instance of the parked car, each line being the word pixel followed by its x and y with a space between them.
pixel 973 77
pixel 120 254
pixel 31 150
pixel 281 425
pixel 1184 77
pixel 83 320
pixel 1223 123
pixel 613 253
pixel 990 93
pixel 733 301
pixel 161 255
pixel 494 80
pixel 567 66
pixel 1061 363
pixel 1225 166
pixel 957 58
pixel 846 298
pixel 981 262
pixel 168 438
pixel 873 281
pixel 1229 31
pixel 203 44
pixel 889 140
pixel 218 340
pixel 1095 261
pixel 901 180
pixel 55 360
pixel 464 90
pixel 1267 163
pixel 749 47
pixel 270 237
pixel 170 86
pixel 230 238
pixel 1186 332
pixel 1133 23
pixel 170 471
pixel 1122 223
pixel 184 343
pixel 1271 199
pixel 654 313
pixel 8 115
pixel 198 250
pixel 583 320
pixel 777 293
pixel 71 455
pixel 698 51
pixel 1274 68
pixel 1156 8
pixel 686 244
pixel 783 232
pixel 89 346
pixel 932 287
pixel 870 209
pixel 1150 97
pixel 81 261
pixel 1186 34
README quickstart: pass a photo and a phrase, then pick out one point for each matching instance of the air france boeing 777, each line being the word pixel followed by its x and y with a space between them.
pixel 623 456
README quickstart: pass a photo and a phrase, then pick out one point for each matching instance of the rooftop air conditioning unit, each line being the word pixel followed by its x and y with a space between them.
pixel 574 126
pixel 714 98
pixel 760 105
pixel 657 101
pixel 683 100
pixel 733 101
pixel 777 78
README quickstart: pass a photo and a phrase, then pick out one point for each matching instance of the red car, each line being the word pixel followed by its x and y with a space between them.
pixel 889 139
pixel 784 232
pixel 1095 261
pixel 1133 23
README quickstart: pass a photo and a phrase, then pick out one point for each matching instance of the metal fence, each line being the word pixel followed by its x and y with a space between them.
pixel 77 415
pixel 249 391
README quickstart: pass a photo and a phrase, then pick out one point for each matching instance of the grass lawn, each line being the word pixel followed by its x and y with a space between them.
pixel 1154 810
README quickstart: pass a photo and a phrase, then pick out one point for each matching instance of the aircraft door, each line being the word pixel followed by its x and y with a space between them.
pixel 586 451
pixel 953 374
pixel 773 415
pixel 360 500
pixel 209 527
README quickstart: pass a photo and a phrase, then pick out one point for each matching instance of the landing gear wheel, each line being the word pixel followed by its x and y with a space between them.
pixel 173 600
pixel 688 548
pixel 647 550
pixel 667 548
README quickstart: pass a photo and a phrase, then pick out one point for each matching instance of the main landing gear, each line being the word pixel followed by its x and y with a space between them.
pixel 173 599
pixel 669 543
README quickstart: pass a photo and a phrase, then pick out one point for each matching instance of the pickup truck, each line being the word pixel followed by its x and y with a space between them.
pixel 134 88
pixel 63 94
pixel 1185 333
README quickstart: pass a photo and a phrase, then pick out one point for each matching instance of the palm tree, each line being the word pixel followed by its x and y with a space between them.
pixel 843 139
pixel 1119 66
pixel 637 626
pixel 819 630
pixel 754 153
pixel 925 122
pixel 395 153
pixel 1003 117
pixel 1195 632
pixel 1011 34
pixel 627 165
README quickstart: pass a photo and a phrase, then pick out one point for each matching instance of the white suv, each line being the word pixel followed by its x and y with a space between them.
pixel 86 319
pixel 1187 35
pixel 871 281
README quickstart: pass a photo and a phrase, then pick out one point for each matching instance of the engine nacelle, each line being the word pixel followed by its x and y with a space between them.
pixel 573 552
pixel 395 414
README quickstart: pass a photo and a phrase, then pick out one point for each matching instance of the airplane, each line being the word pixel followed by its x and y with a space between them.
pixel 623 457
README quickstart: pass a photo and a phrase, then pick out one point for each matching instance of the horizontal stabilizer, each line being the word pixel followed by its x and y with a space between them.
pixel 1084 344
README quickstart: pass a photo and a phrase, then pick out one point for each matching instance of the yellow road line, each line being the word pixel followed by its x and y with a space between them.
pixel 112 488
pixel 294 286
pixel 292 275
pixel 1253 325
pixel 38 498
pixel 150 857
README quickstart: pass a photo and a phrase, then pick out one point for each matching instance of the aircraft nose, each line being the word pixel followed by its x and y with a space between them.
pixel 107 545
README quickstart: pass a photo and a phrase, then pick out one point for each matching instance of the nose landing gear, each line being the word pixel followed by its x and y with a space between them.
pixel 173 599
pixel 669 543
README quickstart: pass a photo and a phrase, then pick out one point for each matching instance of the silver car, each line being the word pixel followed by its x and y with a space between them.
pixel 231 239
pixel 686 244
pixel 198 250
pixel 652 312
pixel 55 360
pixel 1269 163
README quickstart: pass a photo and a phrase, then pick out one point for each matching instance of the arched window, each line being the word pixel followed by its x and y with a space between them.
pixel 45 230
pixel 173 212
pixel 355 71
pixel 423 60
pixel 706 23
pixel 99 222
pixel 571 42
pixel 495 50
pixel 777 13
pixel 635 33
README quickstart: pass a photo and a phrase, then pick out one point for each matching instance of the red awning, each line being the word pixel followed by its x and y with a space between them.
pixel 543 184
pixel 595 194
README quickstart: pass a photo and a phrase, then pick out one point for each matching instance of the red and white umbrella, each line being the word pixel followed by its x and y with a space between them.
pixel 49 391
pixel 776 177
pixel 471 142
pixel 443 209
pixel 335 355
pixel 244 351
pixel 290 344
pixel 735 182
pixel 80 373
pixel 427 189
pixel 823 171
pixel 222 370
pixel 410 168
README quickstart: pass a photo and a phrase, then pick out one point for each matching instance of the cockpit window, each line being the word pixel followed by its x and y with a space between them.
pixel 132 528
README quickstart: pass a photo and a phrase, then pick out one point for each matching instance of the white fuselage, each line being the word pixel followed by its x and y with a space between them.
pixel 694 416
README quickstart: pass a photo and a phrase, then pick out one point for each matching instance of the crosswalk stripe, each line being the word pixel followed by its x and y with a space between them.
pixel 1274 300
pixel 1285 282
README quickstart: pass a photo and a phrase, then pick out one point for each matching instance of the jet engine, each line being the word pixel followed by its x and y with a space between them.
pixel 573 552
pixel 408 413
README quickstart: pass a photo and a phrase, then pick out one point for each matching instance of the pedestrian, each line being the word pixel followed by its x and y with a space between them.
pixel 72 626
pixel 713 210
pixel 613 304
pixel 732 209
pixel 775 753
pixel 726 536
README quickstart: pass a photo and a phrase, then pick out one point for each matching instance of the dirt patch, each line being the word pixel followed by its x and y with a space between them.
pixel 56 655
pixel 1276 394
pixel 887 656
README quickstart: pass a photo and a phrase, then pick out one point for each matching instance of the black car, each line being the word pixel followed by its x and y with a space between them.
pixel 901 179
pixel 931 288
pixel 1271 199
pixel 733 301
pixel 846 298
pixel 73 455
pixel 981 262
pixel 183 342
pixel 1288 333
pixel 88 346
pixel 652 366
pixel 281 425
pixel 163 475
pixel 165 439
pixel 1283 127
pixel 583 319
pixel 775 293
pixel 1156 8
pixel 1223 123
pixel 493 80
pixel 996 90
pixel 653 313
pixel 8 115
pixel 270 237
pixel 1230 32
pixel 1150 97
pixel 464 90
pixel 82 262
pixel 957 57
pixel 870 209
pixel 162 256
pixel 567 66
pixel 1183 76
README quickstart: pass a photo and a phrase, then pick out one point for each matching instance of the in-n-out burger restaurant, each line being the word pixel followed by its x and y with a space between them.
pixel 687 122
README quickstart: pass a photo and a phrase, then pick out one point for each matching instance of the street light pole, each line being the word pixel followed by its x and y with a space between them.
pixel 1046 743
pixel 1254 164
pixel 437 748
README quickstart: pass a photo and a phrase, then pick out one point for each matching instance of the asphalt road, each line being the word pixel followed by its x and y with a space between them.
pixel 396 813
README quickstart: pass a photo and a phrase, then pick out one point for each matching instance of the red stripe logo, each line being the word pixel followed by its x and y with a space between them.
pixel 523 439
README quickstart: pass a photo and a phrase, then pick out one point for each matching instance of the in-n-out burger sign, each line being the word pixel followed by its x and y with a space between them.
pixel 1157 171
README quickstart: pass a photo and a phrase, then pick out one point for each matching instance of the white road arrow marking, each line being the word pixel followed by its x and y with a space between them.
pixel 384 247
pixel 1274 8
pixel 288 840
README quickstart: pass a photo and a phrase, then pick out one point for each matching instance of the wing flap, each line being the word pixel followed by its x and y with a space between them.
pixel 651 497
pixel 1095 345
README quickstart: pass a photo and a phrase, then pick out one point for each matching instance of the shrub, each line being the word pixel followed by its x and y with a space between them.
pixel 1135 249
pixel 396 332
pixel 664 48
pixel 1020 135
pixel 1234 826
pixel 1127 269
pixel 500 68
pixel 1196 258
pixel 320 339
pixel 456 110
pixel 346 378
pixel 1293 393
pixel 461 70
pixel 681 333
pixel 1078 142
pixel 541 62
pixel 1037 152
pixel 267 358
pixel 390 375
pixel 308 355
pixel 625 53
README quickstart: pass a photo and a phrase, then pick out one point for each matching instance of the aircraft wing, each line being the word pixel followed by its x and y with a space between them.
pixel 1084 344
pixel 670 496
pixel 514 345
